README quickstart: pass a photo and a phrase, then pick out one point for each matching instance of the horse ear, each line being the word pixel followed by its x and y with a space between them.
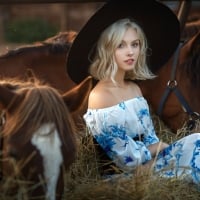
pixel 196 40
pixel 6 96
pixel 77 97
pixel 30 75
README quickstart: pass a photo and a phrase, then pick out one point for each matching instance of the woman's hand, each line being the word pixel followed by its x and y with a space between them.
pixel 157 147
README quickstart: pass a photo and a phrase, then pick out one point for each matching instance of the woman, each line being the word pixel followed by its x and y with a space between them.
pixel 118 115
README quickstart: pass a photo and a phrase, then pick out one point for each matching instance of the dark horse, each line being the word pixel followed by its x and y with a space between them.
pixel 47 60
pixel 177 87
pixel 38 134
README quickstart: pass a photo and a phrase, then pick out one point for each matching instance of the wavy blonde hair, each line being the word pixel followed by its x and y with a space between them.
pixel 103 64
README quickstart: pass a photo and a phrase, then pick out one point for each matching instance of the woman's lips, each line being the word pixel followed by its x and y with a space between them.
pixel 129 61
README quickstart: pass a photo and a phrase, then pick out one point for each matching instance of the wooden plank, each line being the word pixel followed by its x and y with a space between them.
pixel 47 1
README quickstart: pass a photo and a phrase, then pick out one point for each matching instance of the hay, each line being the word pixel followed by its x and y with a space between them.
pixel 84 182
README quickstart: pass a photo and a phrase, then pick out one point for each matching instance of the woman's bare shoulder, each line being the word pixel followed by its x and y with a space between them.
pixel 135 88
pixel 100 97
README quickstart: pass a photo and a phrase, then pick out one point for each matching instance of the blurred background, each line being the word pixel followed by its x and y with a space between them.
pixel 26 23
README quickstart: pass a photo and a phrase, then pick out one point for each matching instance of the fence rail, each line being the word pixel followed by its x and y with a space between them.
pixel 48 1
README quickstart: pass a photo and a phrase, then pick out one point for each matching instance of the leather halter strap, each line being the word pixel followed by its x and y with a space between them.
pixel 172 87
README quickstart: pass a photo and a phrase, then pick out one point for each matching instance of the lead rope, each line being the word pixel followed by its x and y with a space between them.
pixel 172 87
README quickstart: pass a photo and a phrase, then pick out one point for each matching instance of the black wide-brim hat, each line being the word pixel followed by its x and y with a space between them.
pixel 158 22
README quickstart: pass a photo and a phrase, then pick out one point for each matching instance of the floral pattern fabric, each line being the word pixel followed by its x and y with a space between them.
pixel 125 131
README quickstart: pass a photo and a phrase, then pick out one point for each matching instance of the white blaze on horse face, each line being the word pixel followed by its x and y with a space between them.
pixel 47 141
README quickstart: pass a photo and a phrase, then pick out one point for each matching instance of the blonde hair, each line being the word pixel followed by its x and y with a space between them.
pixel 103 64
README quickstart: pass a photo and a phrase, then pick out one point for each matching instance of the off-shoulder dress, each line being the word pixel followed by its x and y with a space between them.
pixel 125 130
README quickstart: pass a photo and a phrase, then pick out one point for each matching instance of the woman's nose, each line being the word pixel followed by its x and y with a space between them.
pixel 130 51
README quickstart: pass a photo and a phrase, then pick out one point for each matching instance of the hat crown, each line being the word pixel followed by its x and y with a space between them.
pixel 158 22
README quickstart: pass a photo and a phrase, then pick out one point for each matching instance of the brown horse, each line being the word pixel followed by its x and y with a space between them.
pixel 51 57
pixel 175 92
pixel 46 59
pixel 38 134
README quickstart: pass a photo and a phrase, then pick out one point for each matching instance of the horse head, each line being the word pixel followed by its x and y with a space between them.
pixel 189 76
pixel 38 134
pixel 179 84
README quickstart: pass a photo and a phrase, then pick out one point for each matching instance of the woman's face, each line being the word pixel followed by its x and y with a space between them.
pixel 127 52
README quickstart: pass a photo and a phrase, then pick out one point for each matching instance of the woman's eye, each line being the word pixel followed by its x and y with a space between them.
pixel 121 45
pixel 135 44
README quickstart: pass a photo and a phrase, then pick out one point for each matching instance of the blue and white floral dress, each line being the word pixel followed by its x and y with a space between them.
pixel 115 129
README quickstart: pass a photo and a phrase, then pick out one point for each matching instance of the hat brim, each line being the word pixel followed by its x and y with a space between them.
pixel 158 22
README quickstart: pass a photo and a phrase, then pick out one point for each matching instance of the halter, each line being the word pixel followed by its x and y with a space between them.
pixel 172 87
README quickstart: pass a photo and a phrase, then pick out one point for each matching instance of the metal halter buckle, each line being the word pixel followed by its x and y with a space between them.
pixel 172 84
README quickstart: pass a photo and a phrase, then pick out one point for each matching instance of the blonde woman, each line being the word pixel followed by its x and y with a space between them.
pixel 118 115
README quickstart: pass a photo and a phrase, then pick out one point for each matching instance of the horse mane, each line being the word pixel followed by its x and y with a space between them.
pixel 190 29
pixel 41 104
pixel 192 64
pixel 15 84
pixel 54 45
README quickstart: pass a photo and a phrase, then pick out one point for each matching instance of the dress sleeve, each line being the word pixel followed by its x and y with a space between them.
pixel 146 122
pixel 112 137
